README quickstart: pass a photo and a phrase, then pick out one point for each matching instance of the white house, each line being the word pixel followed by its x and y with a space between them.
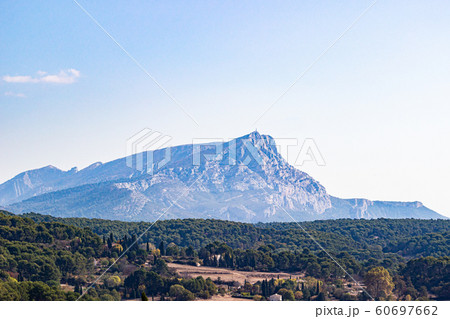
pixel 276 297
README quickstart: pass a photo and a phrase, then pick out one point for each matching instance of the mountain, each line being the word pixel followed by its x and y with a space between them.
pixel 248 181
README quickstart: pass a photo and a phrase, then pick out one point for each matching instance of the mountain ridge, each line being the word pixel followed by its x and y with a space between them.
pixel 248 181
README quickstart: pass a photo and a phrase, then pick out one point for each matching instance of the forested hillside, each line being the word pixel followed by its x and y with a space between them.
pixel 35 258
pixel 361 238
pixel 52 261
pixel 48 258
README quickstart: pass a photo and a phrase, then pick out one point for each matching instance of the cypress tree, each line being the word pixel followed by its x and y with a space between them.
pixel 321 297
pixel 133 239
pixel 271 286
pixel 306 294
pixel 263 288
pixel 162 249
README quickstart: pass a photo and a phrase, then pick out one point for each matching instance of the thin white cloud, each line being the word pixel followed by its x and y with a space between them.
pixel 13 94
pixel 63 77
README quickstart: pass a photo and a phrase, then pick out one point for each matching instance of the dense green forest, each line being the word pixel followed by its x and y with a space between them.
pixel 359 237
pixel 48 258
pixel 53 261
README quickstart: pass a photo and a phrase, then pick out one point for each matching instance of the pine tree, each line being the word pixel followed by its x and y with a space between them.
pixel 148 247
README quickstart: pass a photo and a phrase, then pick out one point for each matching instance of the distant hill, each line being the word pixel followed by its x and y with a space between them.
pixel 4 212
pixel 363 239
pixel 250 182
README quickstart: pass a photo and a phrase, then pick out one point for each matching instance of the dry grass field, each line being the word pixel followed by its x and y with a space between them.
pixel 229 274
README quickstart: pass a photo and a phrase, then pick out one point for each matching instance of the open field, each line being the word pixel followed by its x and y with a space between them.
pixel 229 274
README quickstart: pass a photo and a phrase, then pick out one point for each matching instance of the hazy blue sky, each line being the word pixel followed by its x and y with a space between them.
pixel 377 103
